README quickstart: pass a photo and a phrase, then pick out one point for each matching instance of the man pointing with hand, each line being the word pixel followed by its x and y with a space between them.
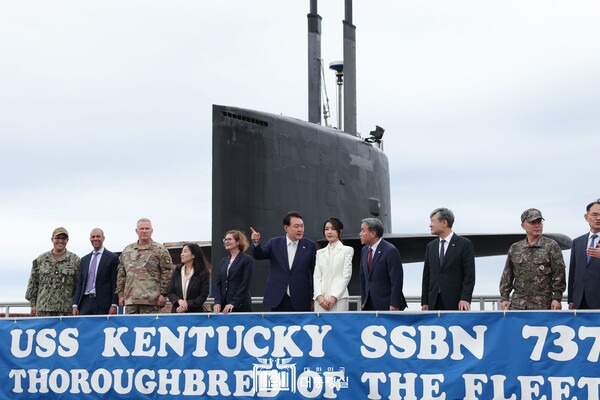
pixel 289 286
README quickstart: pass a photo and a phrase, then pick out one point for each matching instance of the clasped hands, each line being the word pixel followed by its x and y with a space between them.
pixel 326 302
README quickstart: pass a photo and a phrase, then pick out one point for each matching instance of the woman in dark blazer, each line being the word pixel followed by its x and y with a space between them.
pixel 235 272
pixel 190 282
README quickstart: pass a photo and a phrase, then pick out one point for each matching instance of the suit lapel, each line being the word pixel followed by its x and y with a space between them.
pixel 101 264
pixel 584 245
pixel 233 267
pixel 84 273
pixel 331 255
pixel 299 251
pixel 223 271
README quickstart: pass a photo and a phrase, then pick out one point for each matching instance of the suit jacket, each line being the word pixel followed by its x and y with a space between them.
pixel 234 288
pixel 106 279
pixel 299 277
pixel 584 277
pixel 333 270
pixel 456 280
pixel 197 291
pixel 383 284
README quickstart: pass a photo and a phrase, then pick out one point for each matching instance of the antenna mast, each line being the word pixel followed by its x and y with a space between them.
pixel 314 64
pixel 349 71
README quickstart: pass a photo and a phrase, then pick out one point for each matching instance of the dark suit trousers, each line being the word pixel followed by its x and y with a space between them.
pixel 285 305
pixel 584 305
pixel 89 306
pixel 369 305
pixel 439 303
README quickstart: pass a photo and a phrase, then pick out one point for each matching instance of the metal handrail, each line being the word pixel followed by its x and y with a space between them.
pixel 485 302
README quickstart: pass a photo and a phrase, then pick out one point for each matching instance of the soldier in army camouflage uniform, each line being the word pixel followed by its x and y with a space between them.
pixel 53 278
pixel 534 270
pixel 144 273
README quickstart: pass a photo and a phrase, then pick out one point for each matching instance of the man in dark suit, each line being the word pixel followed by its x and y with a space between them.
pixel 95 290
pixel 381 273
pixel 289 286
pixel 584 268
pixel 449 270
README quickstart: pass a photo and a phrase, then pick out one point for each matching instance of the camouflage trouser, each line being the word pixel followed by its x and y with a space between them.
pixel 42 313
pixel 141 309
pixel 531 303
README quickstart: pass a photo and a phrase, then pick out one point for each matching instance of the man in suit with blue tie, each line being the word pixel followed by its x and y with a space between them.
pixel 449 269
pixel 381 273
pixel 289 286
pixel 95 290
pixel 584 268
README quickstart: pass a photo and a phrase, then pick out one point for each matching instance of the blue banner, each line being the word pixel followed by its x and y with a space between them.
pixel 355 355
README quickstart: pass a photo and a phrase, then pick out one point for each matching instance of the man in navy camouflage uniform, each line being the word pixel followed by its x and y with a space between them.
pixel 53 278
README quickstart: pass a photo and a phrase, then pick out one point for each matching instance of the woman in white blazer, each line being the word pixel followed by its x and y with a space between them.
pixel 333 270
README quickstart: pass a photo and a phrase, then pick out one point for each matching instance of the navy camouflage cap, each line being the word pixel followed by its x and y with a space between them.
pixel 531 215
pixel 60 231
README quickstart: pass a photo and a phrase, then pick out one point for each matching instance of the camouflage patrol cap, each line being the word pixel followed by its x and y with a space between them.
pixel 60 231
pixel 531 215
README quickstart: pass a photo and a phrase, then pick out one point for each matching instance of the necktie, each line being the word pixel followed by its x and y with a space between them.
pixel 592 244
pixel 292 252
pixel 370 260
pixel 92 273
pixel 442 253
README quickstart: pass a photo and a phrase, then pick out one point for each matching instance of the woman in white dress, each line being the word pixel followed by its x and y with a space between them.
pixel 333 270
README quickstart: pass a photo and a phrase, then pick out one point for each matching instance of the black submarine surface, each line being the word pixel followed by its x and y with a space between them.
pixel 265 164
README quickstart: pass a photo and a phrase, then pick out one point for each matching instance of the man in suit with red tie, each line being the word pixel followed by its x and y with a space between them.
pixel 584 268
pixel 95 290
pixel 449 269
pixel 381 273
pixel 289 286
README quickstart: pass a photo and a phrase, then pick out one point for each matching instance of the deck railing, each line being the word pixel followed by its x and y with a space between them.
pixel 480 302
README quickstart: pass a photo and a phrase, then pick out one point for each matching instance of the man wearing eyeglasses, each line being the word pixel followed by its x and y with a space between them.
pixel 53 278
pixel 584 267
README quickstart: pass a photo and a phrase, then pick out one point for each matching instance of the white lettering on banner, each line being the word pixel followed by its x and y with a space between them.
pixel 243 383
pixel 473 389
pixel 405 386
pixel 564 341
pixel 530 387
pixel 145 338
pixel 430 385
pixel 45 342
pixel 168 378
pixel 432 344
pixel 519 356
pixel 373 379
pixel 408 386
pixel 167 382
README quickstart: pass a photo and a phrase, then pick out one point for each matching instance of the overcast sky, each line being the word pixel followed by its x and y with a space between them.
pixel 489 108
